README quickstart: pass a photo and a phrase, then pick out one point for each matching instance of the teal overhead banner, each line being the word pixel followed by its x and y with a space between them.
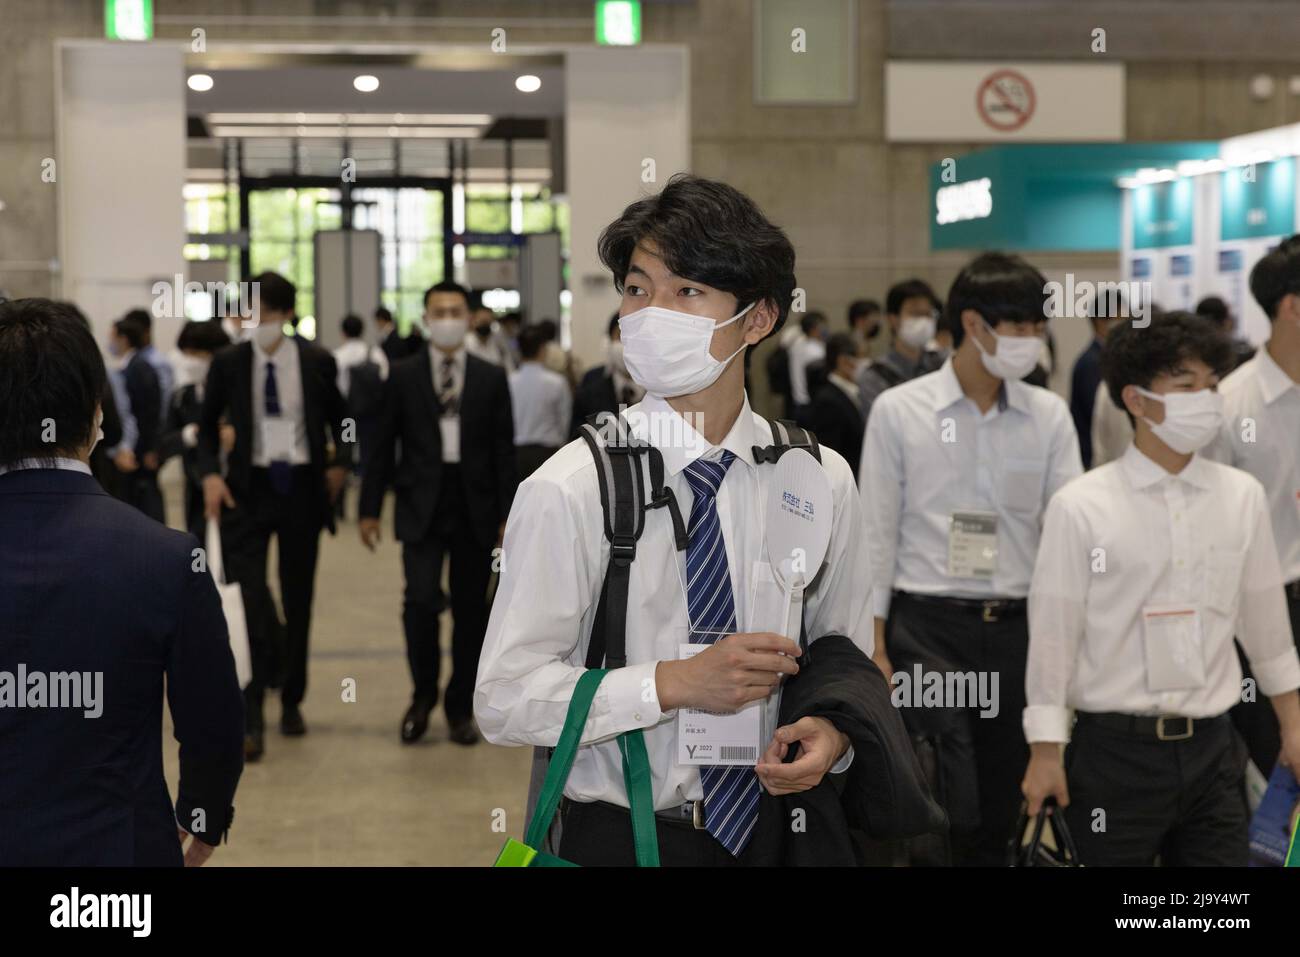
pixel 1162 214
pixel 1264 207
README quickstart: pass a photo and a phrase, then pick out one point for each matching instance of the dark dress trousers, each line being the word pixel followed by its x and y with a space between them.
pixel 145 392
pixel 88 584
pixel 444 510
pixel 295 517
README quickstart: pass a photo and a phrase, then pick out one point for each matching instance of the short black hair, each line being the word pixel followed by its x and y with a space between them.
pixel 202 337
pixel 532 339
pixel 142 318
pixel 811 321
pixel 512 318
pixel 352 326
pixel 1214 309
pixel 1135 355
pixel 900 292
pixel 446 286
pixel 131 331
pixel 275 292
pixel 708 232
pixel 1277 274
pixel 549 328
pixel 613 326
pixel 862 307
pixel 383 315
pixel 840 344
pixel 998 286
pixel 51 372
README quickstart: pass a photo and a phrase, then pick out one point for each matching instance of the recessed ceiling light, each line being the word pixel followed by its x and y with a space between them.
pixel 199 82
pixel 528 83
pixel 366 83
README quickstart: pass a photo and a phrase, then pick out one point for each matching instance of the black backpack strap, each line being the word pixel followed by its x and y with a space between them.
pixel 785 436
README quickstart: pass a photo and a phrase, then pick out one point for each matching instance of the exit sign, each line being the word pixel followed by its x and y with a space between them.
pixel 128 19
pixel 618 22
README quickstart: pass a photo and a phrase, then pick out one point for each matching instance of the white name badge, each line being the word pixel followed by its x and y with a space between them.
pixel 449 425
pixel 706 738
pixel 278 439
pixel 973 544
pixel 1172 638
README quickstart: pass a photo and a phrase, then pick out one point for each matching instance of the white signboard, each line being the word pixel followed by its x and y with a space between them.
pixel 947 102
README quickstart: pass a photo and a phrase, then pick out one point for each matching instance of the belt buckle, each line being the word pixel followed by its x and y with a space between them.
pixel 1160 728
pixel 697 815
pixel 990 611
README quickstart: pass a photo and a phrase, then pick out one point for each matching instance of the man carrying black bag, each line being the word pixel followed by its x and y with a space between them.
pixel 653 573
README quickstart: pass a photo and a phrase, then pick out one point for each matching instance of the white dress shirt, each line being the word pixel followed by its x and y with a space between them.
pixel 1261 434
pixel 1200 539
pixel 352 353
pixel 929 452
pixel 1112 432
pixel 805 350
pixel 59 462
pixel 542 404
pixel 451 411
pixel 555 555
pixel 846 386
pixel 288 387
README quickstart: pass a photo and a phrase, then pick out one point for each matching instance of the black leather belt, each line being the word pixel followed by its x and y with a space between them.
pixel 692 813
pixel 988 609
pixel 1165 727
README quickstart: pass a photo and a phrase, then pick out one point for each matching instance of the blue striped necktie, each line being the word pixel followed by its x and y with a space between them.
pixel 730 791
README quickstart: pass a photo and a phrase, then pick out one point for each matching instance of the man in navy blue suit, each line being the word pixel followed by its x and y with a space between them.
pixel 99 605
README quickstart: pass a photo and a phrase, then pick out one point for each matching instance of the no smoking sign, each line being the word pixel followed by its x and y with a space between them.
pixel 1005 100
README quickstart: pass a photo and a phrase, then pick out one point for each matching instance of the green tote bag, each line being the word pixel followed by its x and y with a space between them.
pixel 636 776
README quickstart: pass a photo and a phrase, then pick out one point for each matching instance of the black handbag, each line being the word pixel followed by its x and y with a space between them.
pixel 1044 840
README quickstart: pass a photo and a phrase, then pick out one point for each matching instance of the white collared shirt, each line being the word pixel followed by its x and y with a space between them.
pixel 353 353
pixel 288 387
pixel 1261 434
pixel 555 555
pixel 1127 535
pixel 61 463
pixel 848 388
pixel 929 452
pixel 437 357
pixel 542 404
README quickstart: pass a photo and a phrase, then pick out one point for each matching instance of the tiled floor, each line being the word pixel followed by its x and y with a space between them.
pixel 349 792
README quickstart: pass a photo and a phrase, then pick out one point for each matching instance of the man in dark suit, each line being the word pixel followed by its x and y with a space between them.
pixel 455 481
pixel 100 607
pixel 126 342
pixel 835 415
pixel 390 340
pixel 281 394
pixel 606 387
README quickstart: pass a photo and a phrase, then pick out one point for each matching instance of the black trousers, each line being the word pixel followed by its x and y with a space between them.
pixel 597 834
pixel 529 458
pixel 1255 720
pixel 142 491
pixel 952 639
pixel 451 535
pixel 1133 798
pixel 246 530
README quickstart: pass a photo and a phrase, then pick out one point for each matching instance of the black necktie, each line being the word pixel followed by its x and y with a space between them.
pixel 281 476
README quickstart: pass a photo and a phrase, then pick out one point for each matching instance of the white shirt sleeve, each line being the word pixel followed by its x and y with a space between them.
pixel 1263 623
pixel 1064 461
pixel 1057 608
pixel 525 680
pixel 839 605
pixel 880 479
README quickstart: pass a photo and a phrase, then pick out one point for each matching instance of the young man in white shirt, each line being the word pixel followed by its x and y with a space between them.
pixel 1261 434
pixel 704 275
pixel 1147 568
pixel 957 468
pixel 542 403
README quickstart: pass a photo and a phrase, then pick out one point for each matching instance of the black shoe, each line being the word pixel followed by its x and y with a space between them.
pixel 253 746
pixel 416 721
pixel 291 723
pixel 464 732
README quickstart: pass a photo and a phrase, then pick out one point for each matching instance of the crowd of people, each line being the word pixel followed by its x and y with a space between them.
pixel 1123 568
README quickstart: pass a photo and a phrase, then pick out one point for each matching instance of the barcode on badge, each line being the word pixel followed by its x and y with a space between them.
pixel 736 752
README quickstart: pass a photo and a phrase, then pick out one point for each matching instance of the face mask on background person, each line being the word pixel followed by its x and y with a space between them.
pixel 1015 357
pixel 447 333
pixel 614 356
pixel 916 331
pixel 268 334
pixel 667 352
pixel 1192 419
pixel 483 331
pixel 190 370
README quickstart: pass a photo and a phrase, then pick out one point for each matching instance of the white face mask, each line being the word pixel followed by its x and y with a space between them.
pixel 916 331
pixel 1015 357
pixel 268 334
pixel 1192 419
pixel 190 370
pixel 667 352
pixel 447 333
pixel 614 355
